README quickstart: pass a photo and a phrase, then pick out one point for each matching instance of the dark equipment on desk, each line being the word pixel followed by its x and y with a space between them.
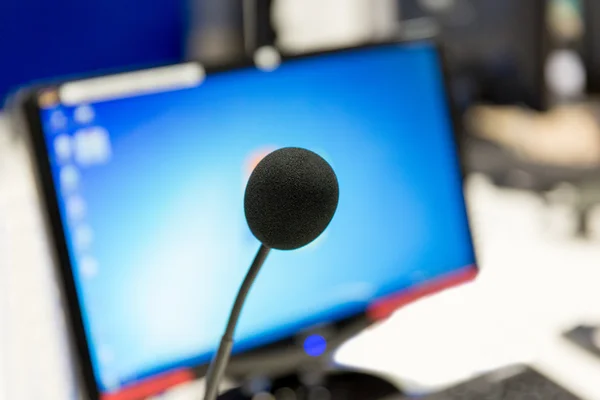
pixel 512 383
pixel 290 199
pixel 585 337
pixel 495 50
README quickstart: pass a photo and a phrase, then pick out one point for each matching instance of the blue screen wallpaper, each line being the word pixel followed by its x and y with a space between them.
pixel 151 191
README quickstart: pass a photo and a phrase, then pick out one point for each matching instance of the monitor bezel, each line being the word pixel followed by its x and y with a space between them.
pixel 57 232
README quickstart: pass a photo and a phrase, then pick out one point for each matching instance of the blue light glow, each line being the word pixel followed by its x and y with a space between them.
pixel 315 345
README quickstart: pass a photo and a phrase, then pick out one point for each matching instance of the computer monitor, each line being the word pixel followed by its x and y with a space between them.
pixel 144 175
pixel 495 50
pixel 591 44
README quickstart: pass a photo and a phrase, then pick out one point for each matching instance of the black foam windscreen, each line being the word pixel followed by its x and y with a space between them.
pixel 290 198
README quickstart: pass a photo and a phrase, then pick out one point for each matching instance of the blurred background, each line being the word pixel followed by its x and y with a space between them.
pixel 523 76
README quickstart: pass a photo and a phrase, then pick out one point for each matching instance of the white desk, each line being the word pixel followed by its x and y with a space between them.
pixel 535 282
pixel 33 345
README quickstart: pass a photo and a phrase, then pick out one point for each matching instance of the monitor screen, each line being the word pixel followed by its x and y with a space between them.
pixel 150 192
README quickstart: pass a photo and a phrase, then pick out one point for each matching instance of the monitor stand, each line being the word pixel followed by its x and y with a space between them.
pixel 287 371
pixel 316 385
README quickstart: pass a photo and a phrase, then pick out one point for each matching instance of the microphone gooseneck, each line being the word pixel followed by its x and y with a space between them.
pixel 221 358
pixel 290 199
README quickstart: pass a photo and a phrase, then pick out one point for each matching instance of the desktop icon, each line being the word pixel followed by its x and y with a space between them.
pixel 88 266
pixel 48 98
pixel 92 146
pixel 110 379
pixel 69 178
pixel 84 114
pixel 76 208
pixel 58 120
pixel 83 237
pixel 63 148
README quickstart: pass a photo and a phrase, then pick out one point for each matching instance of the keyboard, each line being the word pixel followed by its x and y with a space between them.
pixel 525 385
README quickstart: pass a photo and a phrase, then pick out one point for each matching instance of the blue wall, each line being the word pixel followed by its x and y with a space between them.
pixel 42 39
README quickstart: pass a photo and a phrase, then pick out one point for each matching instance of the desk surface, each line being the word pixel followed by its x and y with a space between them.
pixel 536 282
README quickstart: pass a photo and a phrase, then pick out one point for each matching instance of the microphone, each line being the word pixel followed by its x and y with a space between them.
pixel 290 199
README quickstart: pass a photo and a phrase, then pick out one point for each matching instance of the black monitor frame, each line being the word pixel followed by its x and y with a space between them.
pixel 279 357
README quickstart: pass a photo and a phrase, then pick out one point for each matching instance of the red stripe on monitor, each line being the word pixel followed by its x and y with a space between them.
pixel 382 309
pixel 151 386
